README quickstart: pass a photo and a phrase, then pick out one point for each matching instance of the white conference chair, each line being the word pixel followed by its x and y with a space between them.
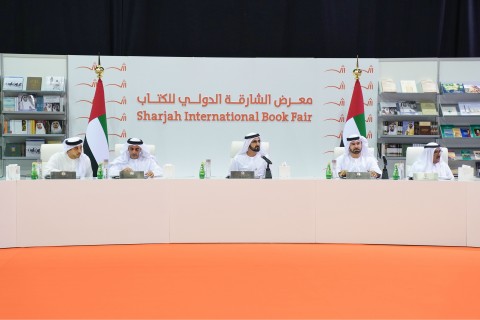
pixel 118 148
pixel 413 153
pixel 48 149
pixel 338 151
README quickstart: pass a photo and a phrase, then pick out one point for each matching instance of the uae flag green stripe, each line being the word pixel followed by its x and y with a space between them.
pixel 96 136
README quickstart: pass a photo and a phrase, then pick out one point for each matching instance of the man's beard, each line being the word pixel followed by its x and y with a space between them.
pixel 355 151
pixel 255 149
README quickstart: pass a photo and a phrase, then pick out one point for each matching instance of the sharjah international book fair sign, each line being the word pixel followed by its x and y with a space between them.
pixel 192 108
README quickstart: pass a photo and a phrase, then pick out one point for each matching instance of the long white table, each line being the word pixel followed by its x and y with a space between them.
pixel 87 212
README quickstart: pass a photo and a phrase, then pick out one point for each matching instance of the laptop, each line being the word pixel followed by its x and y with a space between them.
pixel 432 176
pixel 242 175
pixel 63 175
pixel 358 175
pixel 132 175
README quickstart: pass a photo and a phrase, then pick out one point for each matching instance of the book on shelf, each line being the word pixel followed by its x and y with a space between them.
pixel 408 128
pixel 9 104
pixel 54 127
pixel 452 155
pixel 465 132
pixel 449 110
pixel 428 108
pixel 429 85
pixel 34 83
pixel 52 104
pixel 476 154
pixel 14 149
pixel 408 86
pixel 12 83
pixel 424 128
pixel 39 103
pixel 32 147
pixel 407 107
pixel 471 87
pixel 53 83
pixel 475 131
pixel 40 127
pixel 392 128
pixel 466 155
pixel 456 132
pixel 447 131
pixel 26 103
pixel 469 108
pixel 452 87
pixel 388 85
pixel 388 108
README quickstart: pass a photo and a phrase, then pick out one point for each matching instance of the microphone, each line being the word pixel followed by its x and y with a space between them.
pixel 266 160
pixel 384 171
pixel 268 172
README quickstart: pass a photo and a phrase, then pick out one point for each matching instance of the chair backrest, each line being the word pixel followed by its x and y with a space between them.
pixel 413 153
pixel 118 148
pixel 236 146
pixel 338 151
pixel 48 149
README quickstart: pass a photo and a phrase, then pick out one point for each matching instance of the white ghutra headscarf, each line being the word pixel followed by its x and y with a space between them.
pixel 248 140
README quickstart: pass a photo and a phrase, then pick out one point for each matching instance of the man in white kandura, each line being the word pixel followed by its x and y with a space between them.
pixel 356 158
pixel 71 159
pixel 135 157
pixel 251 157
pixel 431 161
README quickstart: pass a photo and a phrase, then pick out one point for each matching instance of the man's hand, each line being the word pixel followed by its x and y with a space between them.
pixel 342 174
pixel 150 174
pixel 127 169
pixel 373 174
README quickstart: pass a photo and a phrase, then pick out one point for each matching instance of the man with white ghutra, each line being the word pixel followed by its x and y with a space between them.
pixel 430 161
pixel 357 158
pixel 71 159
pixel 135 156
pixel 252 157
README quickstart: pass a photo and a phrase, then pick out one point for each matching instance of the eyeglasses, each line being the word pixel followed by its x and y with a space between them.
pixel 437 151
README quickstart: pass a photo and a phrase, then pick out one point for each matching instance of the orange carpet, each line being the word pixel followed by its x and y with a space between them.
pixel 240 281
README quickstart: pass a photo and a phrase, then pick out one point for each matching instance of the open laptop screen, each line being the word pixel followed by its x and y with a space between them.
pixel 132 175
pixel 63 175
pixel 242 175
pixel 358 175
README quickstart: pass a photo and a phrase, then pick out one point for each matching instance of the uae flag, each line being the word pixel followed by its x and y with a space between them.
pixel 356 115
pixel 96 136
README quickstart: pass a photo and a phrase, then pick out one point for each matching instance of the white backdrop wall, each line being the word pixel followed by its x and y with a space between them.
pixel 318 90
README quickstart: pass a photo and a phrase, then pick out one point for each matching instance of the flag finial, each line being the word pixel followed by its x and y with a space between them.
pixel 99 69
pixel 357 72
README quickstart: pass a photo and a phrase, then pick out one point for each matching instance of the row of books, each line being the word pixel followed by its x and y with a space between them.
pixel 428 85
pixel 464 155
pixel 33 103
pixel 461 109
pixel 409 128
pixel 33 126
pixel 456 87
pixel 408 86
pixel 30 148
pixel 451 131
pixel 47 83
pixel 397 149
pixel 408 108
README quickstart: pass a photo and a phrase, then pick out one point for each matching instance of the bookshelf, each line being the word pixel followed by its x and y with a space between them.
pixel 34 106
pixel 460 111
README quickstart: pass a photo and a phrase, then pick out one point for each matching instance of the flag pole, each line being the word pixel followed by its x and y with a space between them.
pixel 99 69
pixel 357 72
